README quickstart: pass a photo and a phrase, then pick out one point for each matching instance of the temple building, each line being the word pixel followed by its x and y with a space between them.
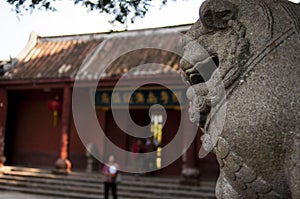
pixel 118 74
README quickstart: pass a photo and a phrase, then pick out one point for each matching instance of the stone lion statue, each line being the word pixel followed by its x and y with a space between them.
pixel 255 48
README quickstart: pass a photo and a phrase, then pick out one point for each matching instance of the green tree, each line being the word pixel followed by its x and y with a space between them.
pixel 122 10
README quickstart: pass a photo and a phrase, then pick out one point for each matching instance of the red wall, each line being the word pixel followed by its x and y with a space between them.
pixel 32 138
pixel 77 154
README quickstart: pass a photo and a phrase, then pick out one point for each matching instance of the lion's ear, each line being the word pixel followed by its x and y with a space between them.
pixel 217 13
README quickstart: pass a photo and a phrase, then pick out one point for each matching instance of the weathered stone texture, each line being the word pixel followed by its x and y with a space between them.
pixel 255 45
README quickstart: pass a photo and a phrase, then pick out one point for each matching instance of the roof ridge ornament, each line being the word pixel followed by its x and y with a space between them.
pixel 33 37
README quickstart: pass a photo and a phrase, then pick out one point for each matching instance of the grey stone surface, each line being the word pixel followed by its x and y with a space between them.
pixel 17 195
pixel 255 46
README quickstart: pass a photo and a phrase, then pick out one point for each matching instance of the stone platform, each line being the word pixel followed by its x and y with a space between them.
pixel 43 184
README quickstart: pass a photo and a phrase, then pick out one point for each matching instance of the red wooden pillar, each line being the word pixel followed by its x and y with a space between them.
pixel 63 165
pixel 3 114
pixel 189 169
pixel 101 114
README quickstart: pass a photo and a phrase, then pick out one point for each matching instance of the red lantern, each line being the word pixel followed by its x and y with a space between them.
pixel 55 107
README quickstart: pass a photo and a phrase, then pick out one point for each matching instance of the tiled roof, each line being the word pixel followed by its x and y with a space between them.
pixel 118 55
pixel 91 55
pixel 52 59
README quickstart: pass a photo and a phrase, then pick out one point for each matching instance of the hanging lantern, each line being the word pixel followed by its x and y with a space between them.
pixel 55 107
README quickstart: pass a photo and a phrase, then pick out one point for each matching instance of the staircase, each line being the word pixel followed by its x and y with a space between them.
pixel 90 186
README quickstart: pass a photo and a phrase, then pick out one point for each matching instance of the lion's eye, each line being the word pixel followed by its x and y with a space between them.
pixel 224 14
pixel 207 14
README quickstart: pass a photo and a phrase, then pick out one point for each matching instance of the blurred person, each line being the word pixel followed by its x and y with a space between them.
pixel 151 147
pixel 139 149
pixel 110 171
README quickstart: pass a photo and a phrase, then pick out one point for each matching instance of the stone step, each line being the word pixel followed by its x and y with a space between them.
pixel 89 186
pixel 97 176
pixel 78 196
pixel 96 188
pixel 128 181
pixel 94 175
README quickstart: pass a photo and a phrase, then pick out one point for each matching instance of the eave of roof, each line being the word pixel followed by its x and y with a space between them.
pixel 57 58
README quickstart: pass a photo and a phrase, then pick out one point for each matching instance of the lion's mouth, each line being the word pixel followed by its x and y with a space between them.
pixel 201 71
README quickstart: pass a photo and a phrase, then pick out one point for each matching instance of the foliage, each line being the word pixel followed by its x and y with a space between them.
pixel 122 10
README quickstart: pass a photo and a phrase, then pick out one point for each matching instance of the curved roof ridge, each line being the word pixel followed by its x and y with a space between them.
pixel 104 35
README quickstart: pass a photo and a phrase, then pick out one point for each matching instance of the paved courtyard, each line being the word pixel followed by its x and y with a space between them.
pixel 17 195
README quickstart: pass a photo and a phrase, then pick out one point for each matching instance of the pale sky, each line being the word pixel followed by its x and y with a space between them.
pixel 70 19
